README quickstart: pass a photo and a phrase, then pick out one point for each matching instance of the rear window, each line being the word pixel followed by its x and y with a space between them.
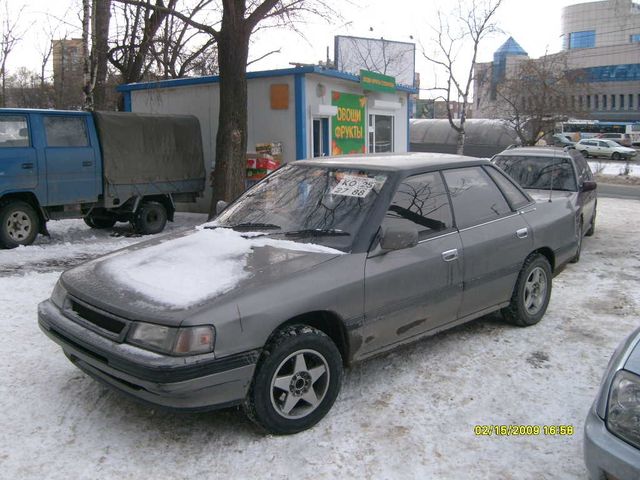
pixel 539 172
pixel 66 131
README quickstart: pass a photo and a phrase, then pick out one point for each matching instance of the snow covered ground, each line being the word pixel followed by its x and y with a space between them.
pixel 410 414
pixel 607 167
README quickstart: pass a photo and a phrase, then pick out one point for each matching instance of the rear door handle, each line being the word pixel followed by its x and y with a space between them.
pixel 27 166
pixel 522 233
pixel 450 255
pixel 87 163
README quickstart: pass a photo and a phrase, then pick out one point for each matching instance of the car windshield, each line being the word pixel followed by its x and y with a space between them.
pixel 323 205
pixel 539 172
pixel 611 143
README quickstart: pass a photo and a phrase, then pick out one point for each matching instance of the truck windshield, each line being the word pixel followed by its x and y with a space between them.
pixel 309 204
pixel 539 172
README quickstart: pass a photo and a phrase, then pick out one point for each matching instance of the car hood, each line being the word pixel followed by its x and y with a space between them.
pixel 166 279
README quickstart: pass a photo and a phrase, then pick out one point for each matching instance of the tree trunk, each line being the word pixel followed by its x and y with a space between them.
pixel 87 88
pixel 100 51
pixel 231 141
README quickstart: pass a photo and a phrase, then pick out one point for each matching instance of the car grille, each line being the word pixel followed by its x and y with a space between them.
pixel 99 319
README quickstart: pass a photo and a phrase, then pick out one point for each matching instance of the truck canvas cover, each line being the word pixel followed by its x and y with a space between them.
pixel 143 148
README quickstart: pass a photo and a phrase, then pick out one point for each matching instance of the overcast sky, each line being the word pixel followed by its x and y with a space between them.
pixel 534 25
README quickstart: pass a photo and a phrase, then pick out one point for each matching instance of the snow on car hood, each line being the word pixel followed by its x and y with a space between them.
pixel 181 271
pixel 187 270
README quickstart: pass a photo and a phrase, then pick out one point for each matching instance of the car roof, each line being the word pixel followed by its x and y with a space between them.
pixel 398 162
pixel 536 151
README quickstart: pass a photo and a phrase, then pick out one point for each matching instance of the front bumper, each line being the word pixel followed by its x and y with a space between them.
pixel 606 454
pixel 199 382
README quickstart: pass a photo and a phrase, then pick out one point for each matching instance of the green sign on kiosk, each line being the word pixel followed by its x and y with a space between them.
pixel 377 82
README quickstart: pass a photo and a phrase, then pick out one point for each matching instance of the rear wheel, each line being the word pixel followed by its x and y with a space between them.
pixel 592 227
pixel 576 257
pixel 531 294
pixel 296 382
pixel 585 154
pixel 19 224
pixel 150 218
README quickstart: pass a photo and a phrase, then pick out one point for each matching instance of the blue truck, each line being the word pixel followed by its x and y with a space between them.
pixel 105 167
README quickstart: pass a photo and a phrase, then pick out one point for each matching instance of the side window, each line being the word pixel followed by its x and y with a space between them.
pixel 475 197
pixel 514 196
pixel 14 131
pixel 66 131
pixel 423 201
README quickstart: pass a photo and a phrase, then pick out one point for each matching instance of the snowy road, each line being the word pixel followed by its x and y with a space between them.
pixel 410 414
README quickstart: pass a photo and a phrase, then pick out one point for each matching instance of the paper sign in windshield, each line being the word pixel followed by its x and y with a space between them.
pixel 351 186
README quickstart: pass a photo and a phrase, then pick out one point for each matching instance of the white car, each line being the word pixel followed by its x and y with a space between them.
pixel 595 147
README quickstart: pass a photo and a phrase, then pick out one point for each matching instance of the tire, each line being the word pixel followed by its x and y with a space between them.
pixel 531 294
pixel 576 257
pixel 309 368
pixel 585 154
pixel 615 156
pixel 150 218
pixel 592 226
pixel 19 224
pixel 100 221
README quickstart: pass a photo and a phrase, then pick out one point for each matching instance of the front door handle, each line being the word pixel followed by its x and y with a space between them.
pixel 87 163
pixel 522 233
pixel 450 255
pixel 27 166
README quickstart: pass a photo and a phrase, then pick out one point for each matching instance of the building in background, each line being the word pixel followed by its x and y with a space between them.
pixel 67 72
pixel 601 46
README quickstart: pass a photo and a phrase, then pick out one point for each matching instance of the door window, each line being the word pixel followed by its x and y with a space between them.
pixel 421 200
pixel 476 199
pixel 380 133
pixel 13 131
pixel 66 131
pixel 514 196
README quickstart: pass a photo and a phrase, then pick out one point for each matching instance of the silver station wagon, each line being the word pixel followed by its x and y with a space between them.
pixel 322 264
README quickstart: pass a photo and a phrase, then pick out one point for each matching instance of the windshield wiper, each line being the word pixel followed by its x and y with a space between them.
pixel 317 232
pixel 248 225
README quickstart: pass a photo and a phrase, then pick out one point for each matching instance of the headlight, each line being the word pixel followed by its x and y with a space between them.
pixel 172 341
pixel 623 410
pixel 58 295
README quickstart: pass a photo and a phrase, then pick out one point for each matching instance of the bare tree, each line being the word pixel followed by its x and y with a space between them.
pixel 9 37
pixel 181 49
pixel 240 19
pixel 465 29
pixel 536 94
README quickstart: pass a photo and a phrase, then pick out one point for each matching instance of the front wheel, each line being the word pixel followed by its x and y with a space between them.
pixel 531 294
pixel 150 218
pixel 19 224
pixel 585 154
pixel 296 381
pixel 592 227
pixel 615 156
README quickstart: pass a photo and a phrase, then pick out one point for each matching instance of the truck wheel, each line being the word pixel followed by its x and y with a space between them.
pixel 99 221
pixel 150 218
pixel 296 381
pixel 19 224
pixel 531 294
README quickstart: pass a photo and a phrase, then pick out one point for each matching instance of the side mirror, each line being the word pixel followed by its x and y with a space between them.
pixel 588 185
pixel 220 206
pixel 398 237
